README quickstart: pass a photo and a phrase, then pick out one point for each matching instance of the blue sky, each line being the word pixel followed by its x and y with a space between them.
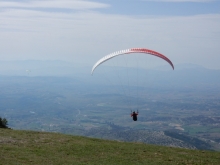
pixel 187 31
pixel 160 8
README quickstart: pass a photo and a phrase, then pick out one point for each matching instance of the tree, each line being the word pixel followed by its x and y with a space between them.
pixel 3 123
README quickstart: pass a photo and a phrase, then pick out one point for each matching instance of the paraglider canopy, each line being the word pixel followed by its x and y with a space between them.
pixel 129 51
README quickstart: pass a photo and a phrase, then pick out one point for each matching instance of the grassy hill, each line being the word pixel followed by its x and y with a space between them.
pixel 29 147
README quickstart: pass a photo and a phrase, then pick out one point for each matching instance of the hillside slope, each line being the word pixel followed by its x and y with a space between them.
pixel 29 147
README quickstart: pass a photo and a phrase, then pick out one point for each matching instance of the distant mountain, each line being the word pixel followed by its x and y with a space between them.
pixel 187 75
pixel 188 66
pixel 38 68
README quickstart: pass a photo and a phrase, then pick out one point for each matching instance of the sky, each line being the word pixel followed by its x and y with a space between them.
pixel 83 31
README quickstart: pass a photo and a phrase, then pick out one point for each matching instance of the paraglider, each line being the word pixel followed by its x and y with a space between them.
pixel 134 115
pixel 130 51
pixel 28 71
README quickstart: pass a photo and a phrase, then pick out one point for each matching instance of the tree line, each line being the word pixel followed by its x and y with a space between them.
pixel 3 123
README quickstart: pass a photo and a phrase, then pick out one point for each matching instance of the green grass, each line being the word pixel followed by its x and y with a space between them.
pixel 29 147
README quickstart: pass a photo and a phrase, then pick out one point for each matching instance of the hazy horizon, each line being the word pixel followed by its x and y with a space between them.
pixel 186 31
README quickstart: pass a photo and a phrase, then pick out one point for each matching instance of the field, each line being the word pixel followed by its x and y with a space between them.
pixel 29 147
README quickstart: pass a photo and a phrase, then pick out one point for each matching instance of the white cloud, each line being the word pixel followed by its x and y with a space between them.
pixel 64 4
pixel 86 36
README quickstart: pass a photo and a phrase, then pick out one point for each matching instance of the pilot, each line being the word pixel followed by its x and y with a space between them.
pixel 134 115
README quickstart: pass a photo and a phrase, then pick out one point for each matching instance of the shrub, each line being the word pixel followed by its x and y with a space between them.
pixel 3 123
